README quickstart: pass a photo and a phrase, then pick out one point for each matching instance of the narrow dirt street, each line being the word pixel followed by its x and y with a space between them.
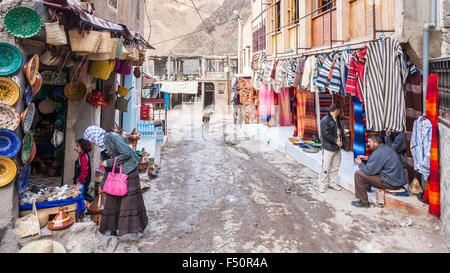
pixel 216 196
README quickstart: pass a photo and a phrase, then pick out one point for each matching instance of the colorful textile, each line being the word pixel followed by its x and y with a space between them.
pixel 325 101
pixel 359 147
pixel 301 112
pixel 355 79
pixel 266 104
pixel 292 72
pixel 432 191
pixel 383 86
pixel 326 72
pixel 246 99
pixel 344 63
pixel 294 112
pixel 315 73
pixel 285 107
pixel 310 116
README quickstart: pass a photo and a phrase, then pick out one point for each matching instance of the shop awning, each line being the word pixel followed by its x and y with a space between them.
pixel 97 22
pixel 187 87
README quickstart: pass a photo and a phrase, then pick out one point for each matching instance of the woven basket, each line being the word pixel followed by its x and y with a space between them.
pixel 101 69
pixel 139 61
pixel 87 43
pixel 133 53
pixel 99 57
pixel 112 52
pixel 55 34
pixel 119 47
pixel 105 45
pixel 49 59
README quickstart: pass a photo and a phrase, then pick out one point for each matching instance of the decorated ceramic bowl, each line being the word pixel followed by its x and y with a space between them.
pixel 24 177
pixel 23 22
pixel 10 59
pixel 9 91
pixel 27 147
pixel 9 117
pixel 27 117
pixel 8 171
pixel 10 143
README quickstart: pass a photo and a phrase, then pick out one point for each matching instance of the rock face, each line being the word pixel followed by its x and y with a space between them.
pixel 174 19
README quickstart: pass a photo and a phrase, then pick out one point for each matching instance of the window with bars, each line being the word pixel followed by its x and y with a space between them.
pixel 113 3
pixel 442 68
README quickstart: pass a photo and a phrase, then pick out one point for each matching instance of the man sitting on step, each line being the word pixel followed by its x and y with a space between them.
pixel 383 170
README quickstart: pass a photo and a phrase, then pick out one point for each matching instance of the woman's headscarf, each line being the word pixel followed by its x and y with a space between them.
pixel 96 135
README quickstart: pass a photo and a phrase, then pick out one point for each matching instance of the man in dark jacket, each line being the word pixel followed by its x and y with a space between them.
pixel 333 140
pixel 383 170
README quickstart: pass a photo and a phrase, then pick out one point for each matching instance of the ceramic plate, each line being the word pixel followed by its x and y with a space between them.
pixel 23 22
pixel 8 171
pixel 27 146
pixel 9 91
pixel 9 117
pixel 10 143
pixel 24 176
pixel 10 59
pixel 28 118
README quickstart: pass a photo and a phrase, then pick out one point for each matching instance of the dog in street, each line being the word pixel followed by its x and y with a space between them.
pixel 206 118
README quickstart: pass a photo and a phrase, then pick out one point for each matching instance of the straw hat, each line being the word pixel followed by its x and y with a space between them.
pixel 75 90
pixel 61 221
pixel 43 246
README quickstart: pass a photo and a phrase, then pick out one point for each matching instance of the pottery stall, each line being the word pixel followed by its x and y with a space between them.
pixel 52 59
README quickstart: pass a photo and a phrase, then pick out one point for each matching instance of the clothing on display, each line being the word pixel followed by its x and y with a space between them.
pixel 432 191
pixel 383 96
pixel 421 145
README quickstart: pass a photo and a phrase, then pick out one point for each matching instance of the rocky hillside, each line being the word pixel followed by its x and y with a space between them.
pixel 177 18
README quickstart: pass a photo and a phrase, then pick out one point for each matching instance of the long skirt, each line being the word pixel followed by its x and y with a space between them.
pixel 285 107
pixel 125 214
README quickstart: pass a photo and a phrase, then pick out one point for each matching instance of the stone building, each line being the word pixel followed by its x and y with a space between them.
pixel 289 28
pixel 80 114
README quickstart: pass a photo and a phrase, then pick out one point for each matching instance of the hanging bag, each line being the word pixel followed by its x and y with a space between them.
pixel 101 69
pixel 122 104
pixel 116 183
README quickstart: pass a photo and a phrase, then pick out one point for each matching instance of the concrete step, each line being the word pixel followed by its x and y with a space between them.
pixel 277 137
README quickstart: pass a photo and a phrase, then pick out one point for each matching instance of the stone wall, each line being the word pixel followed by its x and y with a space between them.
pixel 444 151
pixel 444 11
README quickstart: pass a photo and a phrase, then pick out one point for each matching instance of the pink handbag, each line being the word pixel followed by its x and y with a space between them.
pixel 116 183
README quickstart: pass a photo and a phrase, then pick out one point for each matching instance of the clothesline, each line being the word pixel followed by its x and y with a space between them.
pixel 323 50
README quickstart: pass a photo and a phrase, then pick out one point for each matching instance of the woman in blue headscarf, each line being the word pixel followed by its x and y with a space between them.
pixel 122 214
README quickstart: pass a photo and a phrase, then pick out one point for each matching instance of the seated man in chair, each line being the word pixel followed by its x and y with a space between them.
pixel 383 170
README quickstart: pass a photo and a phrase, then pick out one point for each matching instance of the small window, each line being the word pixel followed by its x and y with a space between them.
pixel 322 6
pixel 113 3
pixel 293 11
pixel 276 17
pixel 221 88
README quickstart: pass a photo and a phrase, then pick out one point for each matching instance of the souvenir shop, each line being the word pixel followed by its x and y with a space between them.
pixel 53 77
pixel 377 86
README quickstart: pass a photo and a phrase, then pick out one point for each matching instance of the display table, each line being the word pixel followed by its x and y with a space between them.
pixel 71 206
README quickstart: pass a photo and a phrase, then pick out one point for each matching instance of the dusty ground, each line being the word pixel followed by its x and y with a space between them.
pixel 247 197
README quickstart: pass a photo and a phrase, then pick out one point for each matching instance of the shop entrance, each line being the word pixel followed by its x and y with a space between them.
pixel 48 131
pixel 209 94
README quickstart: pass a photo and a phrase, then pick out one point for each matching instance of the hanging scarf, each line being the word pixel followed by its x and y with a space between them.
pixel 432 194
pixel 96 135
